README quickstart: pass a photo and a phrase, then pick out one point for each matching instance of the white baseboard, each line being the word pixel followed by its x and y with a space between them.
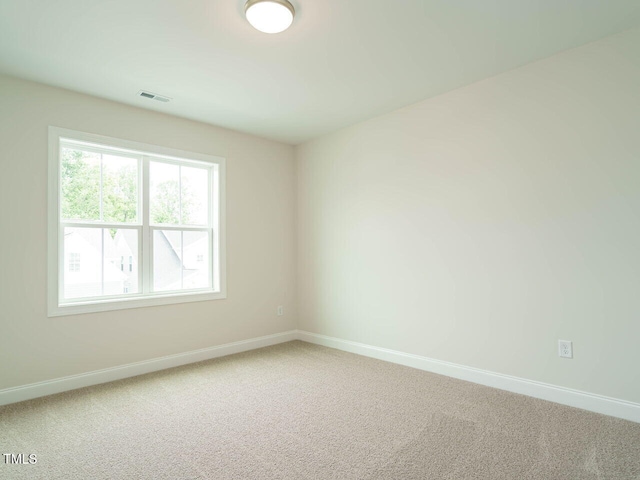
pixel 40 389
pixel 566 396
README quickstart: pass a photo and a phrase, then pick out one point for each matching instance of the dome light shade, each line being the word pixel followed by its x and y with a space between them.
pixel 269 16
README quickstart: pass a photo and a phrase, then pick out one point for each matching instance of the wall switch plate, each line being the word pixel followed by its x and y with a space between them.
pixel 280 310
pixel 565 348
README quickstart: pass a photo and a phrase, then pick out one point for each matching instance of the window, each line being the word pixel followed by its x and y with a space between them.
pixel 146 221
pixel 74 262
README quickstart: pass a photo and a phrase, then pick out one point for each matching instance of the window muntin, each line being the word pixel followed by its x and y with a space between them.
pixel 146 225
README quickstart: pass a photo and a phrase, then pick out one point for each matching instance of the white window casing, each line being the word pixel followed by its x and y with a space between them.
pixel 108 276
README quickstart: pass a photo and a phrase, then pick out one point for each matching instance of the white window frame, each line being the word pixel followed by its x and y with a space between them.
pixel 59 307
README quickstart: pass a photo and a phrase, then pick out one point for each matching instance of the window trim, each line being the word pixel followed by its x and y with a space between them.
pixel 55 260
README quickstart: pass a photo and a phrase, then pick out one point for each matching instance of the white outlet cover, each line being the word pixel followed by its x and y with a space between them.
pixel 565 348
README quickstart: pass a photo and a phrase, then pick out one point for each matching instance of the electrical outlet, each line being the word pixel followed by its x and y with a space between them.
pixel 565 348
pixel 280 310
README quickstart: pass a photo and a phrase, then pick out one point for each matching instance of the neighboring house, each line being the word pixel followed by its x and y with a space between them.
pixel 83 250
pixel 196 259
pixel 126 257
pixel 83 276
pixel 166 260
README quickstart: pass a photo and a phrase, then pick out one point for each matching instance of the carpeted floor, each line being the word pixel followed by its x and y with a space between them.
pixel 300 411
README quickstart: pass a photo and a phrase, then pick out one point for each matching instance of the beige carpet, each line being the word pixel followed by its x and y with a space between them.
pixel 299 411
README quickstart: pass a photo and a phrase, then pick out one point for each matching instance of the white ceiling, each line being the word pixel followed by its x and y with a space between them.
pixel 341 62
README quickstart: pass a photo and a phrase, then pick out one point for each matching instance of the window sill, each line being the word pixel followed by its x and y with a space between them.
pixel 77 308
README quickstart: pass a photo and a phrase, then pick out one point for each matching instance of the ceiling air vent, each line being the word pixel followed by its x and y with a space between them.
pixel 153 96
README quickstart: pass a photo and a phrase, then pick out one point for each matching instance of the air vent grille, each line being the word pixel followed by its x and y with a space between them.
pixel 153 96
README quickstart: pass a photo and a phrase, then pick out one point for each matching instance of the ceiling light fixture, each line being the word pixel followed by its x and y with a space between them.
pixel 269 16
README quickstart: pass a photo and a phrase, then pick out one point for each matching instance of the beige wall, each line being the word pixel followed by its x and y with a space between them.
pixel 260 241
pixel 481 226
pixel 478 227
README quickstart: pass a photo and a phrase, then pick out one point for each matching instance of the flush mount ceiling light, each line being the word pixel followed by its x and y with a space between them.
pixel 269 16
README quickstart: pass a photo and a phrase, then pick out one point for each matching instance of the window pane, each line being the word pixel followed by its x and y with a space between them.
pixel 120 261
pixel 167 260
pixel 165 193
pixel 195 196
pixel 196 260
pixel 80 184
pixel 82 262
pixel 87 273
pixel 119 189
